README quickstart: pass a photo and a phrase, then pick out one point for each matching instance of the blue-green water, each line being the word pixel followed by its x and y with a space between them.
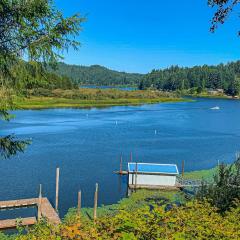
pixel 110 87
pixel 86 145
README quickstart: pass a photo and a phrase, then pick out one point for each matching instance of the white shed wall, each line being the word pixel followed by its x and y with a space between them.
pixel 155 180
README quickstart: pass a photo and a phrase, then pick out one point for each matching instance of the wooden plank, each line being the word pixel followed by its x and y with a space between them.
pixel 49 212
pixel 157 187
pixel 121 173
pixel 18 203
pixel 12 223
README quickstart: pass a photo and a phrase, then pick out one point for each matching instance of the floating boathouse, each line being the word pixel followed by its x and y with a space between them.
pixel 150 175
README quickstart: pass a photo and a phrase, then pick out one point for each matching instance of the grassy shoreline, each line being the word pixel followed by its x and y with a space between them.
pixel 205 174
pixel 145 197
pixel 222 96
pixel 100 98
pixel 54 102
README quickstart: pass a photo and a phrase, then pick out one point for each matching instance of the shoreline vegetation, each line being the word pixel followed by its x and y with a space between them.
pixel 79 100
pixel 218 96
pixel 141 195
pixel 205 174
pixel 144 197
pixel 42 98
pixel 139 216
pixel 51 102
pixel 88 98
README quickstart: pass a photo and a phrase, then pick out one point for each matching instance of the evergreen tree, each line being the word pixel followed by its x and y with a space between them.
pixel 37 31
pixel 198 78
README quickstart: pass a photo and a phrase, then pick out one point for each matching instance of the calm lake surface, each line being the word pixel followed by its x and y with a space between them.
pixel 87 144
pixel 110 87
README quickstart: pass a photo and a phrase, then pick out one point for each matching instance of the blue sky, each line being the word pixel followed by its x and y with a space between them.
pixel 140 35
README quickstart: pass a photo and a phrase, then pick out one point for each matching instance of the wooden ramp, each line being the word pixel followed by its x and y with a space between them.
pixel 49 212
pixel 46 210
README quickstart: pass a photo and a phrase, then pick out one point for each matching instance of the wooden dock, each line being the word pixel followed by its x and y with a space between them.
pixel 12 223
pixel 46 210
pixel 153 187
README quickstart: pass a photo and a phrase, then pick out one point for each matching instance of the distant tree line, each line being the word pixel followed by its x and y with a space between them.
pixel 175 78
pixel 27 76
pixel 198 78
pixel 97 75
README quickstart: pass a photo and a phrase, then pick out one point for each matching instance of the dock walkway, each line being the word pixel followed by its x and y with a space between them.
pixel 46 209
pixel 12 223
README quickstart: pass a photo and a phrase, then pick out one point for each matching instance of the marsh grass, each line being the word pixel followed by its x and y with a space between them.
pixel 87 98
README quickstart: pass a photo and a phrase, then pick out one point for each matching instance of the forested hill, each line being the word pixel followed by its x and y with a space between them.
pixel 97 75
pixel 198 78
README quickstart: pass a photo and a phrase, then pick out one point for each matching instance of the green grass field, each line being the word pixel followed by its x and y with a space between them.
pixel 206 175
pixel 53 102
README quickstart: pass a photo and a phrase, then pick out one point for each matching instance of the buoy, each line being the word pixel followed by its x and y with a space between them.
pixel 155 132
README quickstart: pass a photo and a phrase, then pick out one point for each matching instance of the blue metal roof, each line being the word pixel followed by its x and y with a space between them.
pixel 153 168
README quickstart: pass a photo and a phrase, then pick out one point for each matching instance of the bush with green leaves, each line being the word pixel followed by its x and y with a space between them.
pixel 224 191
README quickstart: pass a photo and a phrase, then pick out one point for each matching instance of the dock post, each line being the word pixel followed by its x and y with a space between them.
pixel 132 177
pixel 79 202
pixel 131 157
pixel 57 189
pixel 136 170
pixel 95 203
pixel 182 168
pixel 39 203
pixel 121 161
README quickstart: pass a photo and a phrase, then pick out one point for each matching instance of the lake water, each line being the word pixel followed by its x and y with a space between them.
pixel 110 87
pixel 86 144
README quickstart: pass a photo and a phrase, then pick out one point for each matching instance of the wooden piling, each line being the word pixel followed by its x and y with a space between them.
pixel 95 203
pixel 131 157
pixel 57 189
pixel 133 178
pixel 182 168
pixel 79 202
pixel 121 162
pixel 136 170
pixel 39 216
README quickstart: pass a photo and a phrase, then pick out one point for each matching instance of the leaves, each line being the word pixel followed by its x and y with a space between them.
pixel 37 31
pixel 194 220
pixel 224 8
pixel 225 189
pixel 9 146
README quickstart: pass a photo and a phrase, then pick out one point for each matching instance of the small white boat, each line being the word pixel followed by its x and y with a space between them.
pixel 215 108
